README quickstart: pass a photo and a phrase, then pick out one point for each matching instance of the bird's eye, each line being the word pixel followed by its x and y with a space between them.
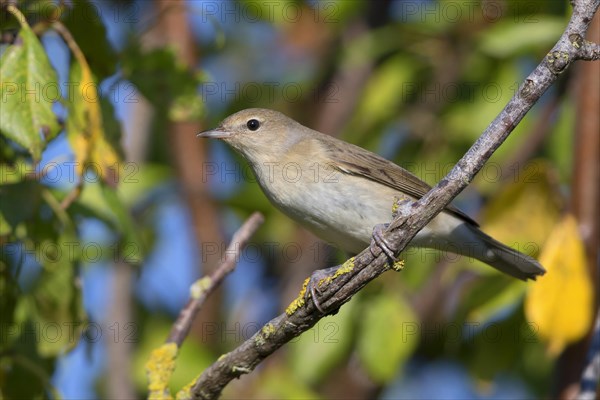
pixel 253 124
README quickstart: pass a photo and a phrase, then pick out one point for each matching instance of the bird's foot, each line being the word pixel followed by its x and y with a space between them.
pixel 380 241
pixel 321 278
pixel 318 279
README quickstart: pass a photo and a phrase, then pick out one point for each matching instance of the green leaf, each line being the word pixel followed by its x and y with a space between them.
pixel 562 138
pixel 103 202
pixel 29 87
pixel 15 171
pixel 92 203
pixel 138 181
pixel 383 342
pixel 165 81
pixel 19 201
pixel 276 382
pixel 5 228
pixel 26 374
pixel 507 38
pixel 85 24
pixel 317 351
pixel 132 242
pixel 466 119
pixel 99 201
pixel 491 295
pixel 502 346
pixel 112 127
pixel 383 94
pixel 54 305
pixel 10 294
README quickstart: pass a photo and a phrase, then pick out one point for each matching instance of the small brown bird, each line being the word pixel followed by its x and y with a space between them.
pixel 341 191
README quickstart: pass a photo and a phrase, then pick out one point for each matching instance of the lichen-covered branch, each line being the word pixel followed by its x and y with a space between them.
pixel 412 216
pixel 161 363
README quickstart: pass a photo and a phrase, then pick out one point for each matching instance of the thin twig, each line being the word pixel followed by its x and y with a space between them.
pixel 205 286
pixel 412 217
pixel 64 32
pixel 590 377
pixel 71 197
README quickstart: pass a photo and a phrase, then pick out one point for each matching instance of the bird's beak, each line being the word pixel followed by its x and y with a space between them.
pixel 217 133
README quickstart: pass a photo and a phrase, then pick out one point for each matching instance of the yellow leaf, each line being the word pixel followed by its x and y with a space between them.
pixel 560 303
pixel 524 211
pixel 106 159
pixel 80 146
pixel 84 126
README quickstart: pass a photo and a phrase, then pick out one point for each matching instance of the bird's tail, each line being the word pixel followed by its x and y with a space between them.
pixel 504 258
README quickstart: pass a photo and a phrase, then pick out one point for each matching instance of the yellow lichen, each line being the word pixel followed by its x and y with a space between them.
pixel 159 368
pixel 199 287
pixel 398 265
pixel 186 392
pixel 346 267
pixel 267 330
pixel 264 334
pixel 241 370
pixel 396 205
pixel 343 269
pixel 298 301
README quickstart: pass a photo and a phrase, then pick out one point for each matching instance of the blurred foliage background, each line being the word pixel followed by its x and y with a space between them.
pixel 110 208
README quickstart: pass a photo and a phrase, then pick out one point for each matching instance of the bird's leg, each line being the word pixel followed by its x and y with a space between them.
pixel 378 229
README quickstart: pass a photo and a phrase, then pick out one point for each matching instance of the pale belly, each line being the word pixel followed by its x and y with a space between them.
pixel 344 211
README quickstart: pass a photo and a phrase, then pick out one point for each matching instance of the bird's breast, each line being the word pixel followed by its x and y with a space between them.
pixel 340 208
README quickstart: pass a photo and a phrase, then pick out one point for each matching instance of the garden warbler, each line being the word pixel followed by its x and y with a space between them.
pixel 340 191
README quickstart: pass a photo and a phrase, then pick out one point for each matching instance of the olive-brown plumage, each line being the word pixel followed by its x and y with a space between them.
pixel 341 191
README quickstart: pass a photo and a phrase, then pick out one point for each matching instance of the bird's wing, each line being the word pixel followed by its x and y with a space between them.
pixel 357 161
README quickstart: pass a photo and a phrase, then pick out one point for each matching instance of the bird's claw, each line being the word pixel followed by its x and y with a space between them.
pixel 316 279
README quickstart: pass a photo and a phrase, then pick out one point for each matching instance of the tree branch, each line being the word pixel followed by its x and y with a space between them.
pixel 412 216
pixel 161 363
pixel 590 376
